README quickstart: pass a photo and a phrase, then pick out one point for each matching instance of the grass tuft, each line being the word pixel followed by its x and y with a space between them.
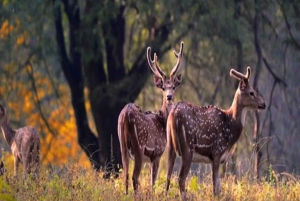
pixel 72 182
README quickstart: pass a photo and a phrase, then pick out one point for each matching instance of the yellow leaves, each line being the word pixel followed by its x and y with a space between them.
pixel 5 29
pixel 59 134
pixel 20 40
pixel 64 146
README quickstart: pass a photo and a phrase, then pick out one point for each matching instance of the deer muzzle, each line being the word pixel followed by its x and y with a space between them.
pixel 262 106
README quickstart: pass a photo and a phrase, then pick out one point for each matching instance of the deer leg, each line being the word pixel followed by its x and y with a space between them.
pixel 216 176
pixel 125 162
pixel 37 166
pixel 26 166
pixel 16 165
pixel 154 170
pixel 171 161
pixel 136 170
pixel 185 168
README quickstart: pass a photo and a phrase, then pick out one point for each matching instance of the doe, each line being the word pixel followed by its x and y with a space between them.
pixel 24 143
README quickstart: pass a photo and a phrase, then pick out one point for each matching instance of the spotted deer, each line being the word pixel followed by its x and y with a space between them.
pixel 24 143
pixel 206 134
pixel 142 135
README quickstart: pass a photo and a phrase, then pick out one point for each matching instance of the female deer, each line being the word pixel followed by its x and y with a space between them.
pixel 24 143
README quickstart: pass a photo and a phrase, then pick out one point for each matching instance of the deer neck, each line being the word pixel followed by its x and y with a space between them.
pixel 7 131
pixel 237 110
pixel 166 108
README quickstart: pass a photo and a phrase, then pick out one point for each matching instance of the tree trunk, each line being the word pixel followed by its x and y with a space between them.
pixel 256 140
pixel 256 137
pixel 71 66
pixel 109 88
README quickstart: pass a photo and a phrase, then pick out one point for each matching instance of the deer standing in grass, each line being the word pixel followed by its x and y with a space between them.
pixel 24 143
pixel 142 135
pixel 206 134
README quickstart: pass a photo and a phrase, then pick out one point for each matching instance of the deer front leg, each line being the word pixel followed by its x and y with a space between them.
pixel 171 161
pixel 216 176
pixel 184 171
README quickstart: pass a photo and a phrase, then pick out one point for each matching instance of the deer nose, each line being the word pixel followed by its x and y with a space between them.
pixel 169 97
pixel 262 106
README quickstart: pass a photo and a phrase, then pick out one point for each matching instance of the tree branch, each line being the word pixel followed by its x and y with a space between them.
pixel 277 78
pixel 289 29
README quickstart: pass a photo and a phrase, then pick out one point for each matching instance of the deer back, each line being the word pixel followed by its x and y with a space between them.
pixel 143 130
pixel 210 131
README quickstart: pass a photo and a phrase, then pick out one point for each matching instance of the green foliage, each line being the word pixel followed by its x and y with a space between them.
pixel 6 193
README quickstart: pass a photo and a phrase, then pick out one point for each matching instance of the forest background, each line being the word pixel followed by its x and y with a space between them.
pixel 68 67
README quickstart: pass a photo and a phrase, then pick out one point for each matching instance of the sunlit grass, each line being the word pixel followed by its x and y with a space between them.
pixel 72 182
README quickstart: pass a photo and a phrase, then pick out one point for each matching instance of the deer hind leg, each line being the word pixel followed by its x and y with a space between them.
pixel 185 168
pixel 137 169
pixel 16 165
pixel 216 176
pixel 35 165
pixel 171 161
pixel 27 162
pixel 125 163
pixel 154 170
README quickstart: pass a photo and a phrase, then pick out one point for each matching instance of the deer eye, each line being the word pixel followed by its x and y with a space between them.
pixel 174 87
pixel 251 94
pixel 163 88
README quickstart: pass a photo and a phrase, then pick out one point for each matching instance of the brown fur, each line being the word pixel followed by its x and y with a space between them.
pixel 24 143
pixel 206 134
pixel 142 135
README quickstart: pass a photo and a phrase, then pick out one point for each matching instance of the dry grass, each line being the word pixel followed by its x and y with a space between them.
pixel 74 183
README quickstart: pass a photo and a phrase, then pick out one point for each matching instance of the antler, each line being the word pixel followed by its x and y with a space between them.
pixel 153 64
pixel 239 75
pixel 177 68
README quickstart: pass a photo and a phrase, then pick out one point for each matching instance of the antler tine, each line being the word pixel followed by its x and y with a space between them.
pixel 178 68
pixel 239 75
pixel 180 51
pixel 153 64
pixel 247 76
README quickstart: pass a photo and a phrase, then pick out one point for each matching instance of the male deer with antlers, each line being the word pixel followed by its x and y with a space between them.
pixel 24 143
pixel 206 134
pixel 142 135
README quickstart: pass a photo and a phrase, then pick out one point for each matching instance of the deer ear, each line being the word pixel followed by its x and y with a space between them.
pixel 243 84
pixel 177 80
pixel 158 82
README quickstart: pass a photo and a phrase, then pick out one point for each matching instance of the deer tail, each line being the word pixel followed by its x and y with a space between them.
pixel 172 132
pixel 123 130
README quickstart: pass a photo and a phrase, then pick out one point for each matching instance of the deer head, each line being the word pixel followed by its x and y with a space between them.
pixel 246 95
pixel 168 85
